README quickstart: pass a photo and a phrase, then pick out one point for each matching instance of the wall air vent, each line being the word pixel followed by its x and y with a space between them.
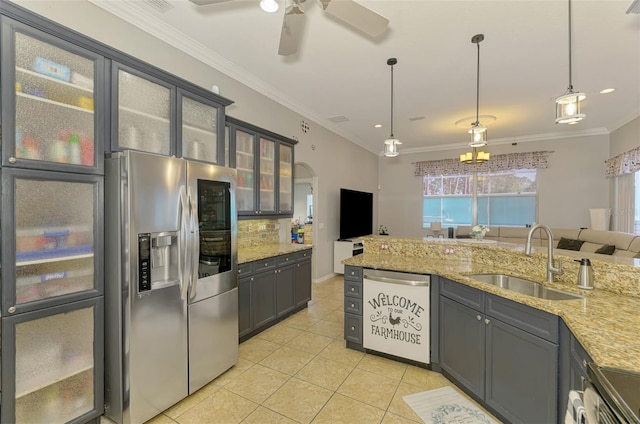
pixel 338 118
pixel 161 6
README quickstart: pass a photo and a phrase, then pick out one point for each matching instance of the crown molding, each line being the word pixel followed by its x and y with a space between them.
pixel 142 19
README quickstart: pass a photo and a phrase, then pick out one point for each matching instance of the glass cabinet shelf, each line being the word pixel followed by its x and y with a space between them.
pixel 55 257
pixel 143 114
pixel 66 371
pixel 30 77
pixel 53 102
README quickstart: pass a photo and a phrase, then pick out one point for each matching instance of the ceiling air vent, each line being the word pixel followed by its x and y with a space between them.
pixel 160 5
pixel 339 118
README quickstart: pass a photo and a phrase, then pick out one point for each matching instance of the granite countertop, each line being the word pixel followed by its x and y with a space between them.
pixel 607 324
pixel 255 253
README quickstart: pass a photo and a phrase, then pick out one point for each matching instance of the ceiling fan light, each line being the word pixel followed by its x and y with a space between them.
pixel 478 135
pixel 269 6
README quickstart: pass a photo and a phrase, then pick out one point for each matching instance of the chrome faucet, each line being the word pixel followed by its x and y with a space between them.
pixel 551 270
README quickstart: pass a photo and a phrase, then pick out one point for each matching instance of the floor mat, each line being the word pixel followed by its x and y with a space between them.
pixel 446 406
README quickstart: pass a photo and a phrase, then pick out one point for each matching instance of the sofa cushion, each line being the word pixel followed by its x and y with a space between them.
pixel 607 249
pixel 569 244
pixel 602 237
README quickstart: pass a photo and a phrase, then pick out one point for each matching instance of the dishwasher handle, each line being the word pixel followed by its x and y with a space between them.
pixel 416 283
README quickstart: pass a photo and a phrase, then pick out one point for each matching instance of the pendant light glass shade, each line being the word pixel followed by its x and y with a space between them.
pixel 568 105
pixel 478 135
pixel 391 143
pixel 391 147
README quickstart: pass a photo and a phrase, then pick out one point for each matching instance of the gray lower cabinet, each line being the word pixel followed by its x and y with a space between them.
pixel 501 351
pixel 573 366
pixel 302 289
pixel 353 306
pixel 285 290
pixel 263 298
pixel 271 289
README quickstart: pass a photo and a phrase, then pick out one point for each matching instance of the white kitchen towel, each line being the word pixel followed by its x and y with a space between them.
pixel 446 406
pixel 576 414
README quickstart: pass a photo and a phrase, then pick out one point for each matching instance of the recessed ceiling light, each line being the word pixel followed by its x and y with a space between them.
pixel 377 126
pixel 607 90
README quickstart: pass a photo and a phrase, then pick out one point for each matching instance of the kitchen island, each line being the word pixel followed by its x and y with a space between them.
pixel 604 321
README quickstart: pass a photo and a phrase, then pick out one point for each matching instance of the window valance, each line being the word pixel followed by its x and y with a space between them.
pixel 624 163
pixel 505 162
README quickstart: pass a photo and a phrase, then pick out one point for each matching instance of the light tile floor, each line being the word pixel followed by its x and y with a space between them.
pixel 299 371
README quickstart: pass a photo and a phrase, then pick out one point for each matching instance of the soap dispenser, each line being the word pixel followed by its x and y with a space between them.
pixel 585 274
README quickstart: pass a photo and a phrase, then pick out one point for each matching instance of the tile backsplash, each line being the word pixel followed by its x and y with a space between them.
pixel 258 232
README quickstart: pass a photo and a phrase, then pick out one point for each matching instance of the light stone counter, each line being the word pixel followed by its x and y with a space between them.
pixel 254 253
pixel 606 322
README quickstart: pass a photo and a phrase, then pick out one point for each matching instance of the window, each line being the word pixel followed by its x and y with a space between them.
pixel 503 198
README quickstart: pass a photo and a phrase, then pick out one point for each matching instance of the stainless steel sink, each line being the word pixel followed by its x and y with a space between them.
pixel 520 285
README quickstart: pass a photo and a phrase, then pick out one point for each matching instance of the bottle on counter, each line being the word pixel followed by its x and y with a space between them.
pixel 75 153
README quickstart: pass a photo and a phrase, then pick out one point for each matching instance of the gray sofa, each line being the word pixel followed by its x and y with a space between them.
pixel 626 245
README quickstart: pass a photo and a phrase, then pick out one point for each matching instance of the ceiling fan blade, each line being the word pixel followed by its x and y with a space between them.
pixel 292 26
pixel 356 15
pixel 206 2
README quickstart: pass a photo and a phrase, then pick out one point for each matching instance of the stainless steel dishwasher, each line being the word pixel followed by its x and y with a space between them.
pixel 395 314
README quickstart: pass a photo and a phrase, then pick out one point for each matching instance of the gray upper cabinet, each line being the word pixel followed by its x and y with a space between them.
pixel 142 110
pixel 153 113
pixel 53 102
pixel 264 161
pixel 200 121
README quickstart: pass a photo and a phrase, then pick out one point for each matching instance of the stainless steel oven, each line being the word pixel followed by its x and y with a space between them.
pixel 611 396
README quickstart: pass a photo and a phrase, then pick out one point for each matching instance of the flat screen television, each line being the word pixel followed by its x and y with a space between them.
pixel 356 213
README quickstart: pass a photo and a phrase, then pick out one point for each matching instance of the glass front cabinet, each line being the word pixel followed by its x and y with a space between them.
pixel 53 130
pixel 55 117
pixel 264 162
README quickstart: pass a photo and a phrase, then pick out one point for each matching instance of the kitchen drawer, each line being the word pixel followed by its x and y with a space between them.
pixel 285 259
pixel 353 289
pixel 303 254
pixel 352 273
pixel 353 328
pixel 245 269
pixel 353 305
pixel 461 293
pixel 264 264
pixel 526 318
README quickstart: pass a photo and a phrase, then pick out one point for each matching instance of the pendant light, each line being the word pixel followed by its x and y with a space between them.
pixel 568 105
pixel 478 132
pixel 391 143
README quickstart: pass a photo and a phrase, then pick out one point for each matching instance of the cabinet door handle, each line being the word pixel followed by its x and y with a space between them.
pixel 478 317
pixel 487 321
pixel 353 328
pixel 353 305
pixel 12 310
pixel 353 289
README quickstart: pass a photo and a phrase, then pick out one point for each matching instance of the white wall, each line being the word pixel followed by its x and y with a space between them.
pixel 625 138
pixel 332 158
pixel 573 183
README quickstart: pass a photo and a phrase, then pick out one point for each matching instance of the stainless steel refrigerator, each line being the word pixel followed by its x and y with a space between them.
pixel 171 281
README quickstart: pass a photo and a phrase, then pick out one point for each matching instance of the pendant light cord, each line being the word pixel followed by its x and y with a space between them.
pixel 478 86
pixel 570 81
pixel 391 101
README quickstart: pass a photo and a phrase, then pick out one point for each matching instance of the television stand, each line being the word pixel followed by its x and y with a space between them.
pixel 343 249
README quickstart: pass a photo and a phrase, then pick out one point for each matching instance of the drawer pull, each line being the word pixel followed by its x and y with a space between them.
pixel 353 273
pixel 353 305
pixel 353 289
pixel 487 321
pixel 478 317
pixel 353 328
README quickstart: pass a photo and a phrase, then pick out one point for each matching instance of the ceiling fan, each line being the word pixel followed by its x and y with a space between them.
pixel 347 11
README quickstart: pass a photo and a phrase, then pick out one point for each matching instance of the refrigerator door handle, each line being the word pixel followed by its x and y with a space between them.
pixel 195 244
pixel 184 264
